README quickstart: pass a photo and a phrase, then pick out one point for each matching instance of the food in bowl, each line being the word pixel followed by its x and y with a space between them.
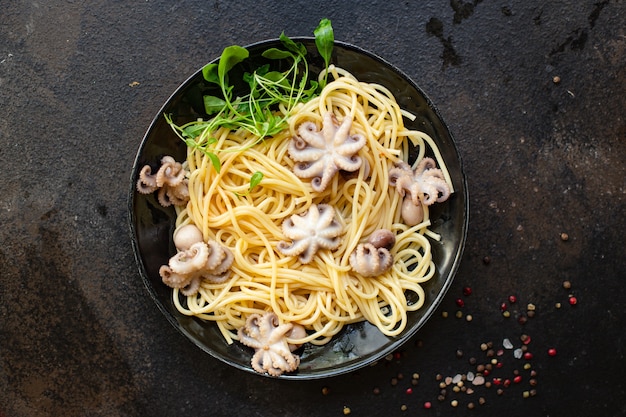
pixel 302 205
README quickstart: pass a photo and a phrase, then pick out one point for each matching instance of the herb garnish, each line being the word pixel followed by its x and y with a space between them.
pixel 255 111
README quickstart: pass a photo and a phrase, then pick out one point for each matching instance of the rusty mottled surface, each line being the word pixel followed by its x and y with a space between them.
pixel 80 83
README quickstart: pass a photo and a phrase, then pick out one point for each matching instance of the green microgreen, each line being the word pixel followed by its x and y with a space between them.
pixel 324 41
pixel 254 108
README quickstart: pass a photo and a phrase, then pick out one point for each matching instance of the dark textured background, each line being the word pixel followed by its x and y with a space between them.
pixel 80 83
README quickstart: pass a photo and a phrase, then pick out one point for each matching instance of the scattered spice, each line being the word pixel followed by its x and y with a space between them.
pixel 427 405
pixel 556 79
pixel 325 391
pixel 346 410
pixel 573 300
pixel 454 403
pixel 467 291
pixel 469 317
pixel 486 260
pixel 567 285
pixel 512 299
pixel 403 407
pixel 552 352
pixel 460 302
pixel 564 237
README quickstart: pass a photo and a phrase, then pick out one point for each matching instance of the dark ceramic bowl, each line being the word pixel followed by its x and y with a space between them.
pixel 359 344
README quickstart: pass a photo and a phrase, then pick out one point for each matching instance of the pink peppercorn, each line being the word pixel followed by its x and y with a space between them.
pixel 460 302
pixel 552 352
pixel 467 291
pixel 573 300
pixel 517 379
pixel 427 405
pixel 528 356
pixel 503 306
pixel 512 299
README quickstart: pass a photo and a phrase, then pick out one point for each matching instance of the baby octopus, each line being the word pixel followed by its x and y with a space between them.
pixel 170 180
pixel 321 154
pixel 315 229
pixel 268 337
pixel 424 185
pixel 374 257
pixel 199 260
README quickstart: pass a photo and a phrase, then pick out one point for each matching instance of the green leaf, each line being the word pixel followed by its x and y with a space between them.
pixel 213 104
pixel 296 47
pixel 215 161
pixel 275 53
pixel 231 56
pixel 325 40
pixel 209 72
pixel 277 77
pixel 255 179
pixel 194 130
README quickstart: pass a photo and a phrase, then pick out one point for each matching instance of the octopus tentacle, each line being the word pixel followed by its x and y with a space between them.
pixel 268 338
pixel 425 185
pixel 170 173
pixel 317 228
pixel 191 260
pixel 187 268
pixel 370 261
pixel 170 180
pixel 146 183
pixel 320 154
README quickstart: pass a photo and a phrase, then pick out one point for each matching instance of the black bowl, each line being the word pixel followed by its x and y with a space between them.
pixel 359 344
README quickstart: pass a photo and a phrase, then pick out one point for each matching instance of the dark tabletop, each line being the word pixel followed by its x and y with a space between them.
pixel 535 95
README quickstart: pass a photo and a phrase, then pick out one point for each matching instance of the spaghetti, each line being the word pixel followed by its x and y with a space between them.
pixel 325 294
